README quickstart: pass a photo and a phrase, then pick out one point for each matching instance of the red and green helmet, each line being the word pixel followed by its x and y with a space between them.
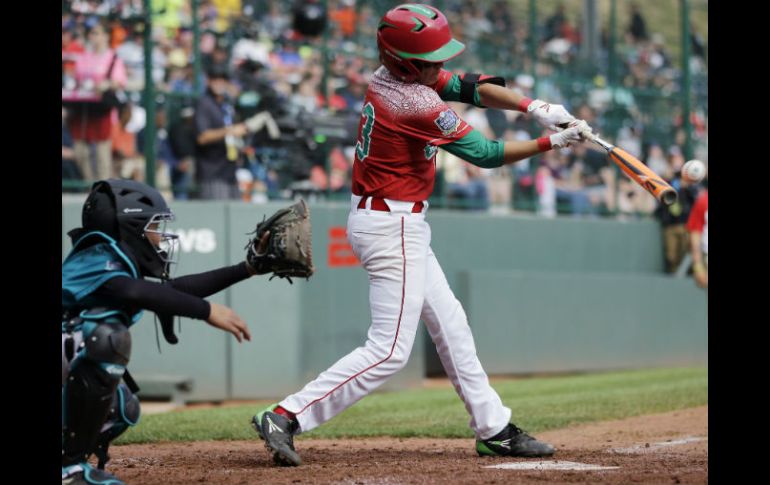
pixel 414 31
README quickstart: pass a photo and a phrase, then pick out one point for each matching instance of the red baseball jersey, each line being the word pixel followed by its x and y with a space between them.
pixel 402 125
pixel 699 219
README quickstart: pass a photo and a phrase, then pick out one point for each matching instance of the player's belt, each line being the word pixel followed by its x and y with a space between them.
pixel 379 204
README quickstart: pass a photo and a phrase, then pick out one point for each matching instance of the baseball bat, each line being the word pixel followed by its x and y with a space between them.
pixel 639 172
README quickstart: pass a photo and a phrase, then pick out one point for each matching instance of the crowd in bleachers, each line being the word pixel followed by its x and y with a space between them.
pixel 275 69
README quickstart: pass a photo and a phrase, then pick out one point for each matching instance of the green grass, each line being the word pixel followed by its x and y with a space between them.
pixel 538 404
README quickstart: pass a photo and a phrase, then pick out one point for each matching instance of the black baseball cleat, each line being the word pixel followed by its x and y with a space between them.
pixel 278 433
pixel 513 441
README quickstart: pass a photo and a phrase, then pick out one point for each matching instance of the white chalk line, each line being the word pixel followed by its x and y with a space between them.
pixel 551 465
pixel 648 447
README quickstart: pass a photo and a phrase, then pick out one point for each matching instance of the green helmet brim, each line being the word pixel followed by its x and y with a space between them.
pixel 449 50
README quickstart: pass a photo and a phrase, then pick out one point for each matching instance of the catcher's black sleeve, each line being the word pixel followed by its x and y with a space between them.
pixel 210 282
pixel 156 297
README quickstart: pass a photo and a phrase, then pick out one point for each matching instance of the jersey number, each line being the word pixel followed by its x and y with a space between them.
pixel 362 145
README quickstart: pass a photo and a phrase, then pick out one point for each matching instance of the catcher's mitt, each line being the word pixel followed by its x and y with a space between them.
pixel 289 250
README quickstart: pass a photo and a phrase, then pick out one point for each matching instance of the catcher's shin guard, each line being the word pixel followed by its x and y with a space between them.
pixel 88 391
pixel 124 412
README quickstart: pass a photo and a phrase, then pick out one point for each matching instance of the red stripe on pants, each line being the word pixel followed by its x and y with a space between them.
pixel 398 327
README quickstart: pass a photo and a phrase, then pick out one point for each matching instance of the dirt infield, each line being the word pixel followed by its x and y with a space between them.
pixel 661 448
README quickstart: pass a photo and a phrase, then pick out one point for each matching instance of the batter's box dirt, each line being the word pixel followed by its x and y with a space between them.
pixel 430 461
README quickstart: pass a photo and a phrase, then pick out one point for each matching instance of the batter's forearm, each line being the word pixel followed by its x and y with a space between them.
pixel 480 151
pixel 513 151
pixel 499 97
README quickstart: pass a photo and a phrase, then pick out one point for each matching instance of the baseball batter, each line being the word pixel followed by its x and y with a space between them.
pixel 404 121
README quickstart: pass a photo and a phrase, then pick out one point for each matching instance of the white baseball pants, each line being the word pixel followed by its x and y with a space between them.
pixel 406 284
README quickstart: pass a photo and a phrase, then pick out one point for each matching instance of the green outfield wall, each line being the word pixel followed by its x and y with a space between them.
pixel 542 295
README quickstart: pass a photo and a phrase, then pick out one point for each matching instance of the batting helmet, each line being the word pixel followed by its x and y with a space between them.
pixel 414 32
pixel 128 211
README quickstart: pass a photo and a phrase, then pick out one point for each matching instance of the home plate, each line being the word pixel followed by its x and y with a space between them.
pixel 551 465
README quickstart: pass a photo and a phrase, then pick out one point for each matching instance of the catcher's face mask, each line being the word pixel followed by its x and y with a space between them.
pixel 165 243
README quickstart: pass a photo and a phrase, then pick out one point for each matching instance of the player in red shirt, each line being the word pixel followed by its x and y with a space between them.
pixel 698 225
pixel 405 119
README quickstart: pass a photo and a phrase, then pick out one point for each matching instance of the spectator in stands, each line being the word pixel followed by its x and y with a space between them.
pixel 638 26
pixel 275 21
pixel 354 92
pixel 697 224
pixel 131 52
pixel 633 201
pixel 500 17
pixel 118 33
pixel 164 155
pixel 584 185
pixel 181 138
pixel 545 185
pixel 659 57
pixel 466 187
pixel 524 188
pixel 180 79
pixel 128 160
pixel 553 24
pixel 476 24
pixel 697 43
pixel 673 220
pixel 344 17
pixel 216 153
pixel 71 47
pixel 658 162
pixel 217 59
pixel 89 124
pixel 292 66
pixel 592 172
pixel 69 169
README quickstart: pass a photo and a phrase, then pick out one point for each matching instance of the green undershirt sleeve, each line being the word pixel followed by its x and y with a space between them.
pixel 476 149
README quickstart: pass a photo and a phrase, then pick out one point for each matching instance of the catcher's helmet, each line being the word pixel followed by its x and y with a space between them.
pixel 128 211
pixel 414 32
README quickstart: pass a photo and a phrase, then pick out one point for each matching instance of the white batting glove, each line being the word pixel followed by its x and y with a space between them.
pixel 586 132
pixel 567 137
pixel 549 115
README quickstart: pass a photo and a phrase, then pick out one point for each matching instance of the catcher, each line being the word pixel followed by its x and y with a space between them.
pixel 123 241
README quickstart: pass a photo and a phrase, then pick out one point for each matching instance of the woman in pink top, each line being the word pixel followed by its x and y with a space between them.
pixel 87 124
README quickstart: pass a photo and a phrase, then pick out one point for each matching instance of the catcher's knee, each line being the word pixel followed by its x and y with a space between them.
pixel 107 343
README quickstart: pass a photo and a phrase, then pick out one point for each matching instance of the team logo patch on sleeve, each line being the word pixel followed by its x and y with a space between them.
pixel 447 122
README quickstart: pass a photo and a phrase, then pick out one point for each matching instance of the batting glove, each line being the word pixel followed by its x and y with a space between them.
pixel 567 137
pixel 586 132
pixel 549 115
